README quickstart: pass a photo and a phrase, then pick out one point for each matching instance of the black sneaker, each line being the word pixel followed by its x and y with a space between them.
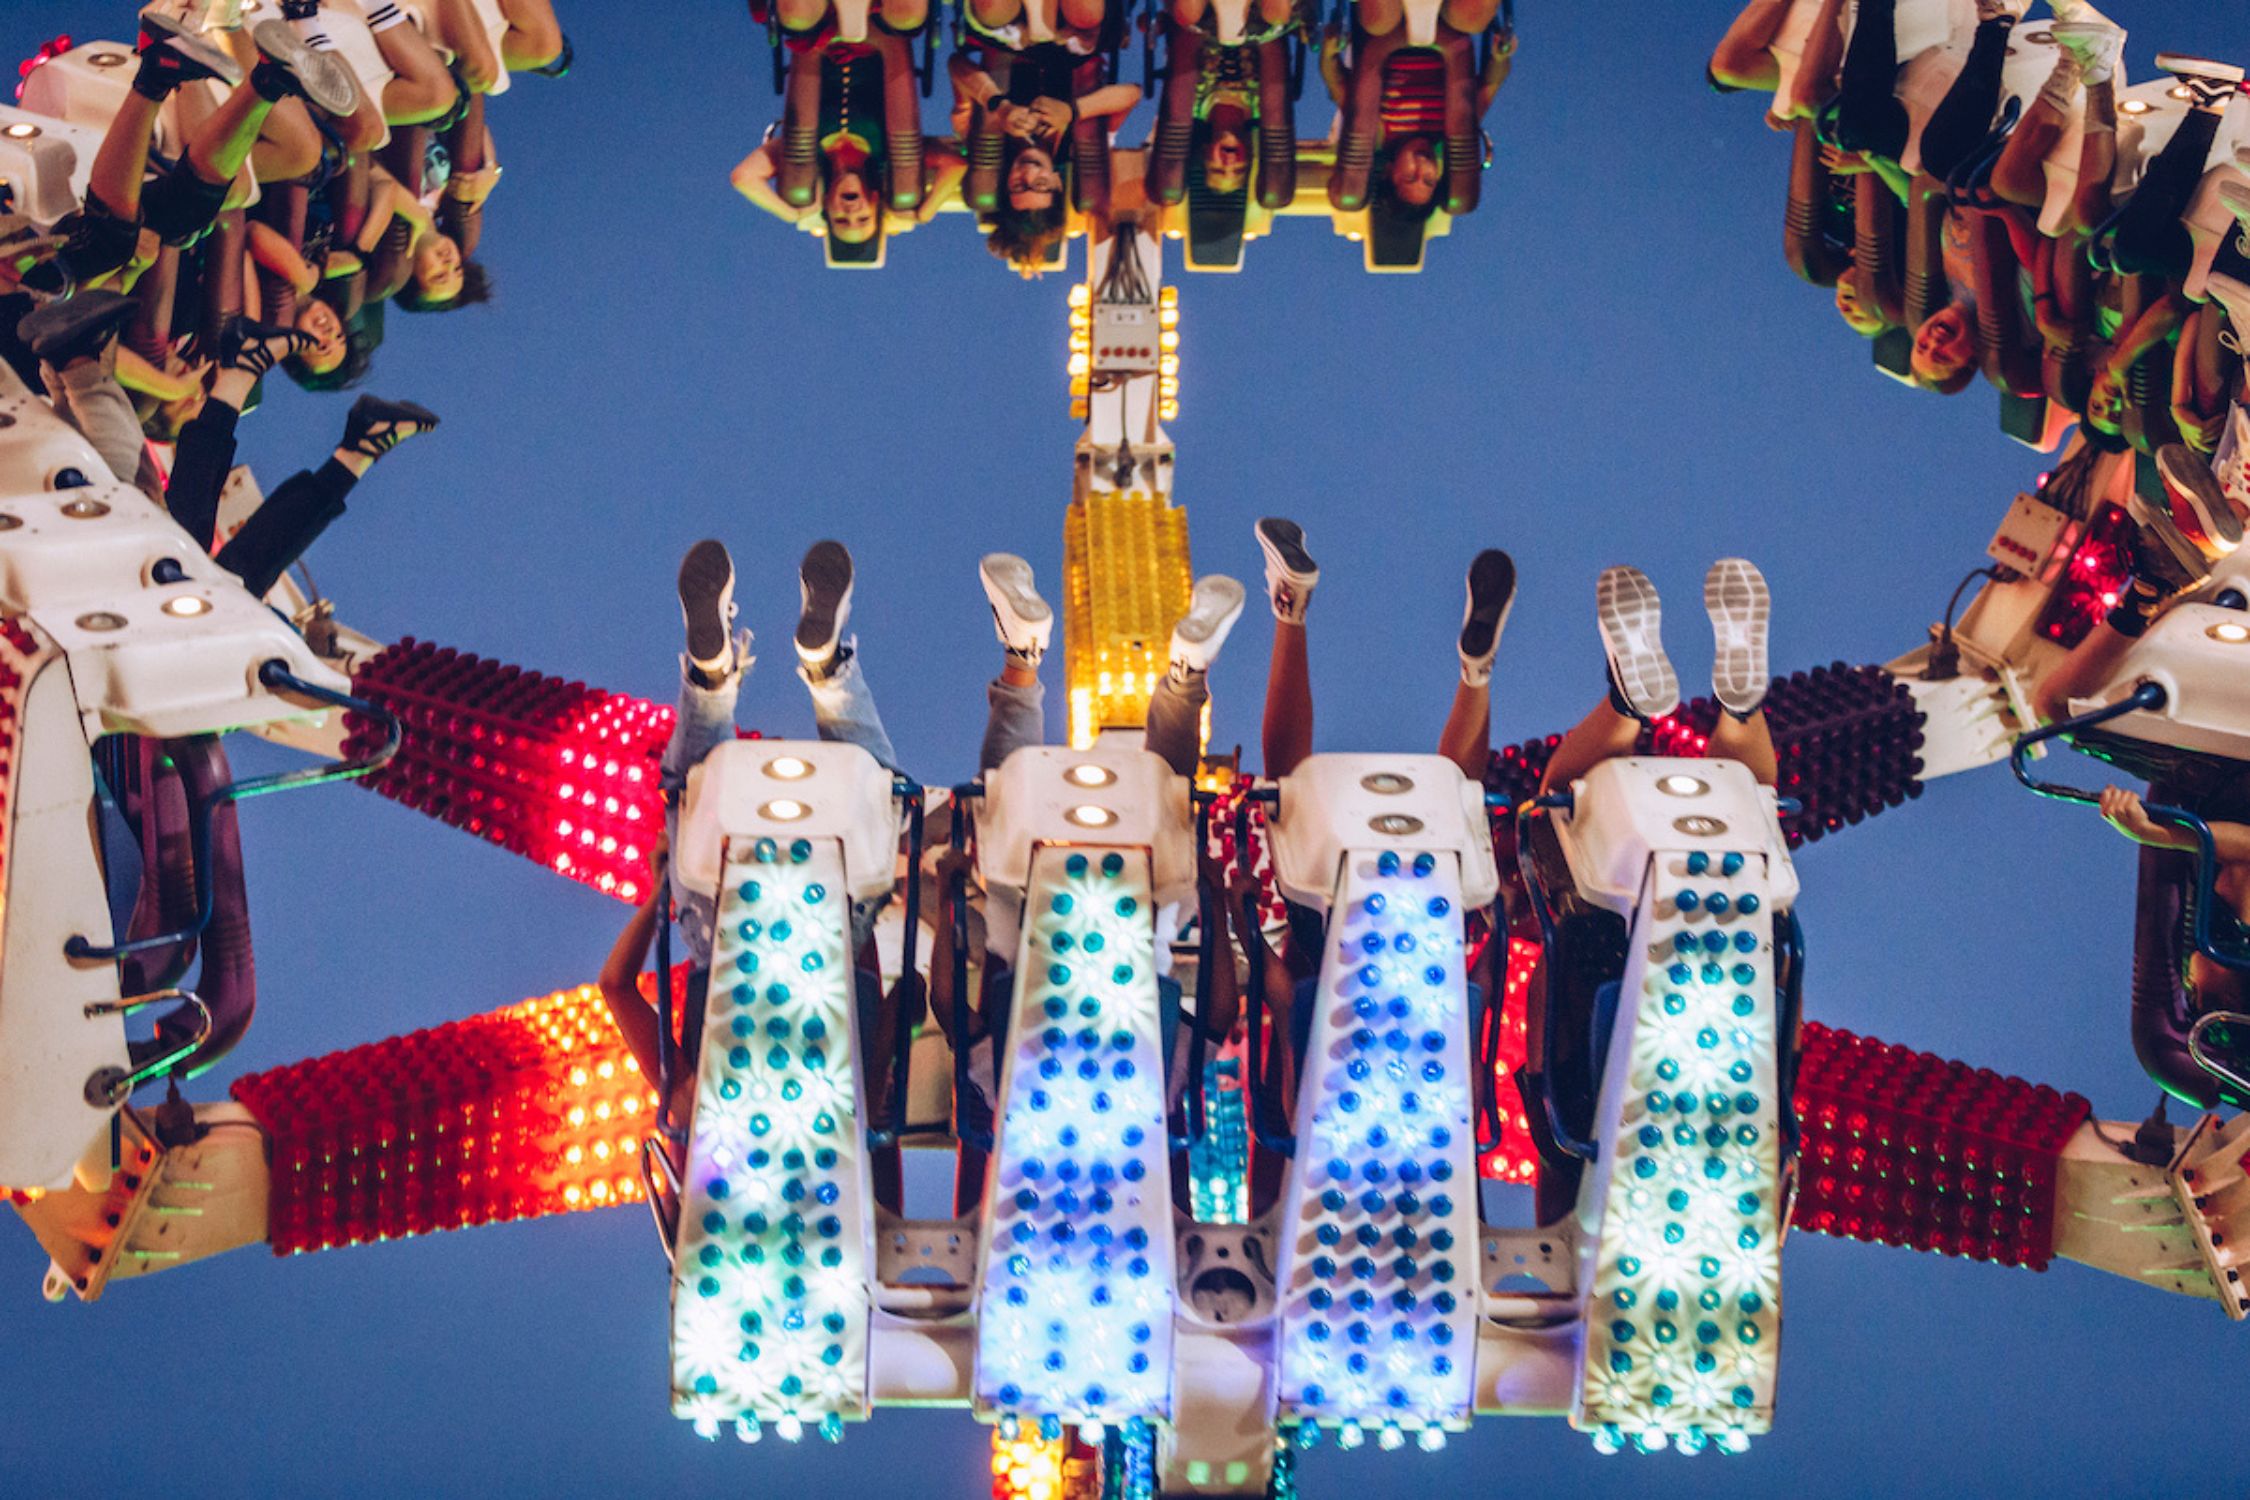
pixel 707 606
pixel 825 579
pixel 171 56
pixel 74 328
pixel 1290 571
pixel 296 67
pixel 249 346
pixel 1492 590
pixel 375 426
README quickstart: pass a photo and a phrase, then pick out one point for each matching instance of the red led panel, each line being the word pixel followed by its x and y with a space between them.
pixel 556 771
pixel 2092 581
pixel 1906 1148
pixel 535 1109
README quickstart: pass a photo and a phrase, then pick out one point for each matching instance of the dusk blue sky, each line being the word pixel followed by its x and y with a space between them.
pixel 1609 362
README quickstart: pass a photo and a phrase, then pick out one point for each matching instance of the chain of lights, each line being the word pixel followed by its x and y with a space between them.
pixel 2100 565
pixel 1377 1281
pixel 535 1109
pixel 1075 1307
pixel 1168 354
pixel 769 1292
pixel 1906 1148
pixel 1683 1316
pixel 1080 361
pixel 555 771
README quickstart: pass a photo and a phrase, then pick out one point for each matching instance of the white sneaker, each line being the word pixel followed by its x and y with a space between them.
pixel 2095 45
pixel 1631 617
pixel 1022 620
pixel 1736 598
pixel 2076 13
pixel 1290 571
pixel 1212 610
pixel 2232 466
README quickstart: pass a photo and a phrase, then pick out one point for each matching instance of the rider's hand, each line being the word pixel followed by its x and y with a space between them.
pixel 2124 812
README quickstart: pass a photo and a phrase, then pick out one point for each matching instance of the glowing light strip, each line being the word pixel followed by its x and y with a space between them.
pixel 1683 1319
pixel 1379 1255
pixel 1074 1321
pixel 769 1298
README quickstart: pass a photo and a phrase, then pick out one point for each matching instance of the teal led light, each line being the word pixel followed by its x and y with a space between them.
pixel 770 1300
pixel 1689 1221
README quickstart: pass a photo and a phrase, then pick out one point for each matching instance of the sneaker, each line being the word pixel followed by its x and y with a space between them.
pixel 2231 466
pixel 172 56
pixel 1492 589
pixel 1212 610
pixel 1737 600
pixel 1290 571
pixel 707 606
pixel 2095 45
pixel 374 426
pixel 75 328
pixel 1631 618
pixel 2079 13
pixel 254 348
pixel 2001 10
pixel 1023 621
pixel 2209 84
pixel 2163 560
pixel 321 78
pixel 2199 506
pixel 825 580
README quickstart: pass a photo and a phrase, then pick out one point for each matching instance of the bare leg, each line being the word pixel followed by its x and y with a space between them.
pixel 1467 740
pixel 534 37
pixel 1381 17
pixel 1469 17
pixel 2020 175
pixel 2097 158
pixel 1084 15
pixel 461 28
pixel 2090 664
pixel 289 146
pixel 1286 738
pixel 122 160
pixel 1748 741
pixel 1602 735
pixel 1272 12
pixel 1742 59
pixel 1189 13
pixel 220 145
pixel 421 88
pixel 904 15
pixel 804 15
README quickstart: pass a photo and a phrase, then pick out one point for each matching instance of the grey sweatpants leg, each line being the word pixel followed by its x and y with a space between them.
pixel 1018 718
pixel 1175 719
pixel 89 398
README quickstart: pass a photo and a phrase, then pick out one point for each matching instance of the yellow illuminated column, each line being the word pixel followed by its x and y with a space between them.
pixel 1126 582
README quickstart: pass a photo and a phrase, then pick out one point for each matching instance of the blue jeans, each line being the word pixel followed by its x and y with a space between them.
pixel 843 712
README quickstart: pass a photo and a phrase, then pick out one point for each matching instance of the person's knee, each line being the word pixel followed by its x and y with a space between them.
pixel 1083 15
pixel 905 15
pixel 804 15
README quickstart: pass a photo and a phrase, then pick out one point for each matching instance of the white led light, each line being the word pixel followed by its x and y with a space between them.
pixel 1677 785
pixel 2231 633
pixel 783 810
pixel 187 607
pixel 1089 775
pixel 1091 815
pixel 788 768
pixel 22 130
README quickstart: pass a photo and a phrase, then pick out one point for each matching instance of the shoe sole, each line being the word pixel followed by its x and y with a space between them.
pixel 2158 524
pixel 1283 542
pixel 2197 67
pixel 1492 592
pixel 706 579
pixel 1740 606
pixel 170 33
pixel 1212 610
pixel 2189 483
pixel 78 319
pixel 326 83
pixel 1008 586
pixel 826 578
pixel 1632 617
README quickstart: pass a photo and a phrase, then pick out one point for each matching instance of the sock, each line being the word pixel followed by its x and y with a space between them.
pixel 2062 83
pixel 383 17
pixel 828 669
pixel 1183 675
pixel 151 80
pixel 1618 701
pixel 303 17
